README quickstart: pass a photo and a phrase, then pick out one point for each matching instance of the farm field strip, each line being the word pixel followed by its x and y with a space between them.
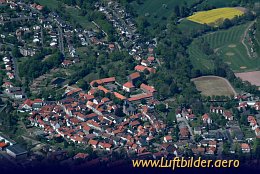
pixel 212 16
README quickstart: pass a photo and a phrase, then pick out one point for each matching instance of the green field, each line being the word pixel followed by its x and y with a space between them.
pixel 227 44
pixel 155 10
pixel 188 27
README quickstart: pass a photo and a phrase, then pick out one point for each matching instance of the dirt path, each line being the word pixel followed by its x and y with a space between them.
pixel 244 37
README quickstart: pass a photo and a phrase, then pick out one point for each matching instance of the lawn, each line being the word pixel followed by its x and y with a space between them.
pixel 216 16
pixel 227 44
pixel 213 85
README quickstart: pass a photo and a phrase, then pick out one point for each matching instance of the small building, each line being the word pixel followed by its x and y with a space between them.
pixel 128 86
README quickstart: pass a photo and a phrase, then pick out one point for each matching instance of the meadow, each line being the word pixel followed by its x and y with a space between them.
pixel 226 44
pixel 215 17
pixel 214 86
pixel 155 10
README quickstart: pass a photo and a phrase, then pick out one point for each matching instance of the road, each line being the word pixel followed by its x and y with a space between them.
pixel 61 42
pixel 16 73
pixel 244 37
pixel 190 129
pixel 220 149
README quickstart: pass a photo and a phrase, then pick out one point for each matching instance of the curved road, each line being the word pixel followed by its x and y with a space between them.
pixel 244 37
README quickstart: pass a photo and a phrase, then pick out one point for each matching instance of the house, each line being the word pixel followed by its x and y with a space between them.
pixel 210 150
pixel 3 145
pixel 103 81
pixel 151 59
pixel 184 133
pixel 167 139
pixel 141 68
pixel 134 77
pixel 27 52
pixel 7 85
pixel 197 130
pixel 245 148
pixel 206 119
pixel 213 144
pixel 257 106
pixel 93 143
pixel 217 110
pixel 119 96
pixel 242 105
pixel 66 63
pixel 228 115
pixel 16 151
pixel 80 156
pixel 147 89
pixel 145 63
pixel 111 46
pixel 139 98
pixel 128 86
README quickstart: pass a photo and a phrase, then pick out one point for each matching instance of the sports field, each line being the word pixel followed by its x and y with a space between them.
pixel 214 85
pixel 226 44
pixel 216 16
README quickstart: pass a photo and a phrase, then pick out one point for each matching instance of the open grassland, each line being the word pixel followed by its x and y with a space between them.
pixel 226 44
pixel 214 86
pixel 215 16
pixel 188 27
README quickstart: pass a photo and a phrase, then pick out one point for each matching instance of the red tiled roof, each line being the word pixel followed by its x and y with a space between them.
pixel 205 116
pixel 2 1
pixel 81 155
pixel 140 97
pixel 103 89
pixel 2 144
pixel 128 85
pixel 245 146
pixel 119 96
pixel 147 88
pixel 150 58
pixel 28 102
pixel 134 75
pixel 141 68
pixel 168 137
pixel 93 142
pixel 105 80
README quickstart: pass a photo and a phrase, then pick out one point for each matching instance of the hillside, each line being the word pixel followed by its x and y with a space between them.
pixel 227 44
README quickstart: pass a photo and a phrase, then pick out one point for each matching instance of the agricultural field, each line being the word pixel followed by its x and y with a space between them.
pixel 214 86
pixel 226 44
pixel 216 16
pixel 252 77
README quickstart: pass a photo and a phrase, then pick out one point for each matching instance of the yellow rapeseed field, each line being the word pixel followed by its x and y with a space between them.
pixel 215 16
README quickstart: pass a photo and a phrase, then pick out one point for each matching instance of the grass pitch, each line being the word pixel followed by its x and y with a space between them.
pixel 214 86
